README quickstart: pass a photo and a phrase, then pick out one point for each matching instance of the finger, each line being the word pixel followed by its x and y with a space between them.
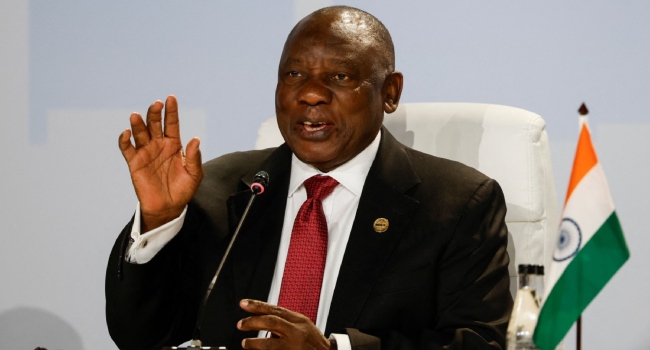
pixel 124 142
pixel 273 324
pixel 263 343
pixel 193 162
pixel 262 308
pixel 139 130
pixel 172 127
pixel 154 119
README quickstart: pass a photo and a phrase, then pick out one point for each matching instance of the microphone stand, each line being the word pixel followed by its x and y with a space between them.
pixel 260 181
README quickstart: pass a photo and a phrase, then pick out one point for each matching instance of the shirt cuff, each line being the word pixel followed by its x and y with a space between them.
pixel 342 341
pixel 143 247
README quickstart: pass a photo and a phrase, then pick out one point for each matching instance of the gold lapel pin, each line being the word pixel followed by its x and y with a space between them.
pixel 380 225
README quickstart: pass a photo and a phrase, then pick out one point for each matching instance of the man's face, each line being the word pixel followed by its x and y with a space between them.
pixel 328 99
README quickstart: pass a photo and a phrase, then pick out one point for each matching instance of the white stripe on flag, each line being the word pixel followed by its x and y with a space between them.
pixel 589 206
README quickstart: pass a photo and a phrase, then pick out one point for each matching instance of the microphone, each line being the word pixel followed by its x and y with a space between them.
pixel 260 181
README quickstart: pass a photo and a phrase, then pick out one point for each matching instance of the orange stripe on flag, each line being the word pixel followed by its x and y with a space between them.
pixel 585 160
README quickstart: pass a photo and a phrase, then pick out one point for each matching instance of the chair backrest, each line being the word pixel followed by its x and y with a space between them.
pixel 506 143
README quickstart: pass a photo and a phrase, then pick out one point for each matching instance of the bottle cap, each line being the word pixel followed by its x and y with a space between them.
pixel 527 269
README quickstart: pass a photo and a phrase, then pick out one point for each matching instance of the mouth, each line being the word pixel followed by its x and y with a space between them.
pixel 314 127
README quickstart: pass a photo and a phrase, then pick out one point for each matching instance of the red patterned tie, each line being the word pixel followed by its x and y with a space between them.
pixel 303 271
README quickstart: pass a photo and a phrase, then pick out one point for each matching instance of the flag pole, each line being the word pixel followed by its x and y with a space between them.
pixel 579 333
pixel 583 111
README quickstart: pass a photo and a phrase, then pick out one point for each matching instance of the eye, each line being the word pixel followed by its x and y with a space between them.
pixel 341 77
pixel 293 74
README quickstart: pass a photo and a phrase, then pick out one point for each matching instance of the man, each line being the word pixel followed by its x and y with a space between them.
pixel 416 254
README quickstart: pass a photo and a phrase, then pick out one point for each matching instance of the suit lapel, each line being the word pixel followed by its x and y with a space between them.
pixel 367 251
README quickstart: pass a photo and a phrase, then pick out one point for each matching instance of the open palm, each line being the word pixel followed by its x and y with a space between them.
pixel 164 177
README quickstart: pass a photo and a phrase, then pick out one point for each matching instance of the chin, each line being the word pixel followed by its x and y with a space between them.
pixel 315 160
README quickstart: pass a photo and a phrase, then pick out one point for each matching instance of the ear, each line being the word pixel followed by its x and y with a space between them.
pixel 392 90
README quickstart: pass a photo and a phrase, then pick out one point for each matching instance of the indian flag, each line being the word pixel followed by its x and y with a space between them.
pixel 590 247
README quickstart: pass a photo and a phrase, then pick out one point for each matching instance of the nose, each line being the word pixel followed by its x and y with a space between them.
pixel 315 92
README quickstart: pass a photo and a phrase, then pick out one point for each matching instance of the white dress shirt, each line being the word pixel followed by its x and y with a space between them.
pixel 340 208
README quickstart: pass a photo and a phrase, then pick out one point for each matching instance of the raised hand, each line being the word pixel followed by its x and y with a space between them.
pixel 164 177
pixel 290 330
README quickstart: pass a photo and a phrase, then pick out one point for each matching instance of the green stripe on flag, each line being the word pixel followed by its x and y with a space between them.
pixel 582 280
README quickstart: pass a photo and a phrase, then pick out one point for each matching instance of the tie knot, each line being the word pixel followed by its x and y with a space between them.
pixel 319 187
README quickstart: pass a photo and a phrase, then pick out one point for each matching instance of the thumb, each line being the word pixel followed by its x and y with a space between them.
pixel 193 162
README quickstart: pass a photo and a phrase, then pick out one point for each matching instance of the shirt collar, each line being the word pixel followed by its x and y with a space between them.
pixel 351 175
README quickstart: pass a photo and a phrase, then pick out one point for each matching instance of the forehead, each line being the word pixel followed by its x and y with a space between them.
pixel 345 35
pixel 356 28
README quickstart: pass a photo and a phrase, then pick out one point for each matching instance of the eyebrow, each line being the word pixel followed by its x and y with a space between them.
pixel 336 61
pixel 343 62
pixel 292 61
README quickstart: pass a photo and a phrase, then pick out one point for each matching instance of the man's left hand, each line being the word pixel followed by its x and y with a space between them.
pixel 291 330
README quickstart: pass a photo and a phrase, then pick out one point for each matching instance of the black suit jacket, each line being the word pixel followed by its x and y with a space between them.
pixel 437 278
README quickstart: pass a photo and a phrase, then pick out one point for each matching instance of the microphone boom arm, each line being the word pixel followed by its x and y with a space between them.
pixel 260 181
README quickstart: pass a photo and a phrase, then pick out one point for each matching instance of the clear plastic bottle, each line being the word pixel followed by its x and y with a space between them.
pixel 539 284
pixel 524 313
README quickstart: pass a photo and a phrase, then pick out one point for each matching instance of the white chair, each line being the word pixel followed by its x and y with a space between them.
pixel 506 143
